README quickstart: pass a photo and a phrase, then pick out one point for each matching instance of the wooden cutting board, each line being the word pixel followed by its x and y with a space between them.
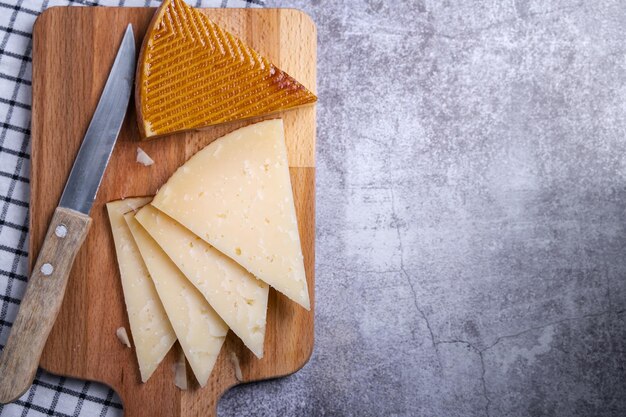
pixel 73 50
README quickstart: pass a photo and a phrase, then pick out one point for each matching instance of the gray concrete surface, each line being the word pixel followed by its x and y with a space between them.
pixel 471 200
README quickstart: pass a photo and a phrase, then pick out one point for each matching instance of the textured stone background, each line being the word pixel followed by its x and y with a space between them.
pixel 471 232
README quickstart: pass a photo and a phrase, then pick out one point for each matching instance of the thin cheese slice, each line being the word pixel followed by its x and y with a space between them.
pixel 201 332
pixel 236 195
pixel 152 332
pixel 236 295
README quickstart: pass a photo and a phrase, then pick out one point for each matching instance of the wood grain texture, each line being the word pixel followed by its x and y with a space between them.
pixel 41 303
pixel 73 52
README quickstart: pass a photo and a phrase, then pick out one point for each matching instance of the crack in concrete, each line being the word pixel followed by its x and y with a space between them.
pixel 483 369
pixel 481 352
pixel 552 323
pixel 420 310
pixel 416 303
pixel 474 348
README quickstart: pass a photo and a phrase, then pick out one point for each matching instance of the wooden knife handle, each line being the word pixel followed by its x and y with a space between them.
pixel 41 303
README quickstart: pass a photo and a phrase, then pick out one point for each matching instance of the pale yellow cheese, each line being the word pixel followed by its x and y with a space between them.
pixel 236 195
pixel 236 295
pixel 201 332
pixel 151 331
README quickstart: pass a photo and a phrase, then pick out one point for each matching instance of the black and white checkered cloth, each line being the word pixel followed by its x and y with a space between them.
pixel 49 395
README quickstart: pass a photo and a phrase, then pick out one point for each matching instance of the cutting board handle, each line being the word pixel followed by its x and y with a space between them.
pixel 41 303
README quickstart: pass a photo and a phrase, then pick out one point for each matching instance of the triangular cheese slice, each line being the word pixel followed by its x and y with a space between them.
pixel 236 295
pixel 150 328
pixel 236 195
pixel 193 74
pixel 200 331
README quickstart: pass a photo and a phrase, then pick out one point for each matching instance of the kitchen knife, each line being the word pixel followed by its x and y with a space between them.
pixel 67 230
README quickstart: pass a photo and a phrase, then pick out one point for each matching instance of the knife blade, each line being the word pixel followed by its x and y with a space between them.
pixel 67 230
pixel 95 151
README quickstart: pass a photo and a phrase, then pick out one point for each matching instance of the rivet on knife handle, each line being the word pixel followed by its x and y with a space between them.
pixel 41 303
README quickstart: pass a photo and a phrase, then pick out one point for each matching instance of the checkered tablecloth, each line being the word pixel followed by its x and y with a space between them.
pixel 49 395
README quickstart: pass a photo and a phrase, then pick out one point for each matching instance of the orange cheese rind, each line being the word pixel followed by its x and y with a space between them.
pixel 193 74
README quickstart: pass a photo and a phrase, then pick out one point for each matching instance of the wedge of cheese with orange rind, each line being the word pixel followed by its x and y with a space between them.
pixel 193 74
